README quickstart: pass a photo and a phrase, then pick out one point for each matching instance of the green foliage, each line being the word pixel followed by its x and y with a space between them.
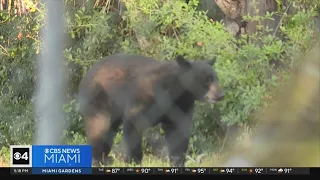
pixel 161 29
pixel 19 46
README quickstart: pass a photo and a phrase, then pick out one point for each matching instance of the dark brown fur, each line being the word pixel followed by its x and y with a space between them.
pixel 141 92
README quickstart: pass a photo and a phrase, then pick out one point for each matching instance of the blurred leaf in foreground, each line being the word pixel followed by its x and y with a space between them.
pixel 289 133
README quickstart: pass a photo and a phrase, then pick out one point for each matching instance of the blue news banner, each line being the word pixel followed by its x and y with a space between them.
pixel 77 159
pixel 54 159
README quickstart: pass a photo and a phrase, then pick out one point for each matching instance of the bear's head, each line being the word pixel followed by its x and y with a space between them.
pixel 200 79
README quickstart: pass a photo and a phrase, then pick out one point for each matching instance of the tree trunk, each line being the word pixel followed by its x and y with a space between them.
pixel 260 8
pixel 236 9
pixel 214 11
pixel 232 8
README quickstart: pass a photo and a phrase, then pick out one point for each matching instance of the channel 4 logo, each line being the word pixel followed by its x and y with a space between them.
pixel 20 156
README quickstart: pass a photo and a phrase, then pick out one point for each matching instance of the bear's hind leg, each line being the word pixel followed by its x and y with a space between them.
pixel 100 135
pixel 97 126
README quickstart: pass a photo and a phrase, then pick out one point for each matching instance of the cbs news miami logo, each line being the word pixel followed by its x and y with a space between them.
pixel 50 156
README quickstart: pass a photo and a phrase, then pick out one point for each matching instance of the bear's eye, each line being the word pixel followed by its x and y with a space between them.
pixel 208 81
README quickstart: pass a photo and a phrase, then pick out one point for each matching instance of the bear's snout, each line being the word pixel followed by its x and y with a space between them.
pixel 214 94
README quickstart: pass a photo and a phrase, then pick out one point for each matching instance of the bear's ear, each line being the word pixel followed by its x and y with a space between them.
pixel 212 61
pixel 182 62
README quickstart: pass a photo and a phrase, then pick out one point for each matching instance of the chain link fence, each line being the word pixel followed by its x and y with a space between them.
pixel 177 120
pixel 292 123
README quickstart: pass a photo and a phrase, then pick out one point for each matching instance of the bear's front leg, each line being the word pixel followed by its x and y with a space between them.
pixel 177 136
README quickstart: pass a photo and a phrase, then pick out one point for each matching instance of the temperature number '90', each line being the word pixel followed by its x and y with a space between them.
pixel 145 170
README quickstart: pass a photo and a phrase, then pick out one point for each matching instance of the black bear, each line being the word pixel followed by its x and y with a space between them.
pixel 140 92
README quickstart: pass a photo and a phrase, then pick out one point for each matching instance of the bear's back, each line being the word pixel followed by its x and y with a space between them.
pixel 123 76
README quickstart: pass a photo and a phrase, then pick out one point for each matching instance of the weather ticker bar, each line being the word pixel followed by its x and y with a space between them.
pixel 164 171
pixel 201 171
